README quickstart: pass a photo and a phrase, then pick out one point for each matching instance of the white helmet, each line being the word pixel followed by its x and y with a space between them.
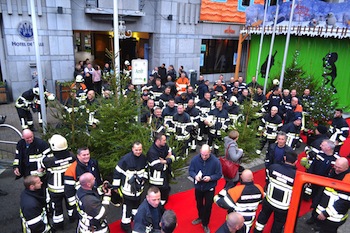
pixel 234 99
pixel 36 90
pixel 58 143
pixel 127 63
pixel 275 82
pixel 79 79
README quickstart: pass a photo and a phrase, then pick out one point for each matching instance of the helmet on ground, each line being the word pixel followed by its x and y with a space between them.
pixel 275 82
pixel 234 99
pixel 127 63
pixel 58 143
pixel 79 79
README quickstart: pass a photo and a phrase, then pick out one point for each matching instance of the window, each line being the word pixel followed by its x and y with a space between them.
pixel 217 56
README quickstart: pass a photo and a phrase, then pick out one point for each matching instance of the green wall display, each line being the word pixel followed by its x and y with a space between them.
pixel 325 59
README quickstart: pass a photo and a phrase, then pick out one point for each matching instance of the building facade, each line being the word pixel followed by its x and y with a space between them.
pixel 163 31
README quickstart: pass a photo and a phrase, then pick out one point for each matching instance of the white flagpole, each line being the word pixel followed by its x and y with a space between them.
pixel 287 45
pixel 261 40
pixel 38 66
pixel 271 48
pixel 116 43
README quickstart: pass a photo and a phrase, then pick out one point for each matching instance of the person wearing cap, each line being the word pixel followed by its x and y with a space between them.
pixel 56 161
pixel 292 129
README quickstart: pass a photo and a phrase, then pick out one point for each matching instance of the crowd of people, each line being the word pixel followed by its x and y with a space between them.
pixel 195 114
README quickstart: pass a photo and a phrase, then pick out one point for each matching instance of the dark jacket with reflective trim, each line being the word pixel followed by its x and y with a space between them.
pixel 90 203
pixel 27 159
pixel 33 211
pixel 280 186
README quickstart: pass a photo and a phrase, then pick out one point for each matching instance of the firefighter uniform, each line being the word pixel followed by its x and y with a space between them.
pixel 195 119
pixel 23 105
pixel 28 157
pixel 159 173
pixel 56 163
pixel 339 130
pixel 167 115
pixel 334 206
pixel 204 107
pixel 218 120
pixel 71 178
pixel 183 127
pixel 293 134
pixel 33 212
pixel 129 177
pixel 92 213
pixel 269 126
pixel 243 199
pixel 278 196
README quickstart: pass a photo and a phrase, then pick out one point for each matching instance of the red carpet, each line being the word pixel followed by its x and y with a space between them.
pixel 184 203
pixel 184 206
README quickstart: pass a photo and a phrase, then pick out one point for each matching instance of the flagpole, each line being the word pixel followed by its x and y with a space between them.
pixel 38 67
pixel 261 40
pixel 116 44
pixel 271 48
pixel 287 44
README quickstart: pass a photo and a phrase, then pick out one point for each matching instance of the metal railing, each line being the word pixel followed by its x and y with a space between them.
pixel 10 139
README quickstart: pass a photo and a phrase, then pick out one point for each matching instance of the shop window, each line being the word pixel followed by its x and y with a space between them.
pixel 217 56
pixel 82 41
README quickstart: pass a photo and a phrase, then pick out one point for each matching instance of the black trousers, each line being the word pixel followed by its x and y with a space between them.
pixel 56 205
pixel 204 200
pixel 327 226
pixel 280 217
pixel 129 209
pixel 25 117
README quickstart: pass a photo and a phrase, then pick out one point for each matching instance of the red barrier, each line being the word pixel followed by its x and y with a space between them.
pixel 300 179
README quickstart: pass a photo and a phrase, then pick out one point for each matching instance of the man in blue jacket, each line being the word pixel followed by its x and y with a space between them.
pixel 205 169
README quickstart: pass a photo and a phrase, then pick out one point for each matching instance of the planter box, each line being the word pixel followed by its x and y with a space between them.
pixel 62 91
pixel 4 95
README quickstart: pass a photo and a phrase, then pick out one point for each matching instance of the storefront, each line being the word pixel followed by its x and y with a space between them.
pixel 170 32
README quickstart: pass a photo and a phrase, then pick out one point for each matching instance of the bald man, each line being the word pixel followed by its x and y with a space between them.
pixel 234 223
pixel 243 199
pixel 29 153
pixel 92 213
pixel 334 205
pixel 205 169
